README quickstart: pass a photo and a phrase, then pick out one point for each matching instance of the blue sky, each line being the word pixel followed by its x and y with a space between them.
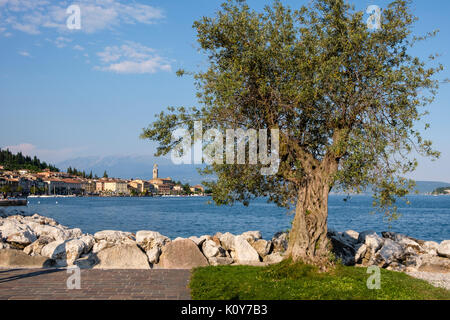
pixel 89 92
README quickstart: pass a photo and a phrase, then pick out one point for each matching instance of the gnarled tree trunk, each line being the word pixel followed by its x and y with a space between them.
pixel 308 240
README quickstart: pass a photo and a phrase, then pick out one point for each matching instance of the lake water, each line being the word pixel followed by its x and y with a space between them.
pixel 427 217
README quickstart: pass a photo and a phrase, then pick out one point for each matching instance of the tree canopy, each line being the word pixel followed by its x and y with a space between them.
pixel 346 99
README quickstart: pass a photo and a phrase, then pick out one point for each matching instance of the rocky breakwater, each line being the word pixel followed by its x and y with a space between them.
pixel 427 260
pixel 40 242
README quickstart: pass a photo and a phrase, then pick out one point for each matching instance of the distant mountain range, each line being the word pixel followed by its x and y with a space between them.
pixel 141 166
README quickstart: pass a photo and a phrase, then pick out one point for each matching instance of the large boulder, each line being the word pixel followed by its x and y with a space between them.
pixel 280 241
pixel 86 261
pixel 153 254
pixel 36 247
pixel 210 249
pixel 220 261
pixel 58 232
pixel 390 252
pixel 65 252
pixel 122 256
pixel 227 241
pixel 199 241
pixel 343 247
pixel 101 245
pixel 430 247
pixel 444 249
pixel 149 239
pixel 21 239
pixel 352 234
pixel 371 239
pixel 114 236
pixel 39 226
pixel 244 252
pixel 10 258
pixel 262 246
pixel 89 242
pixel 181 254
pixel 12 226
pixel 252 236
pixel 431 263
pixel 274 258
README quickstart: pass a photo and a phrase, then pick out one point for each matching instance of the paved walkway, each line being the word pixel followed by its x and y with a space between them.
pixel 51 284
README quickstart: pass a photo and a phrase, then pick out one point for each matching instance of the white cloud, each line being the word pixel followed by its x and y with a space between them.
pixel 24 53
pixel 78 47
pixel 30 16
pixel 132 58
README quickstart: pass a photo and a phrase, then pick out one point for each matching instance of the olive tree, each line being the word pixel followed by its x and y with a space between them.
pixel 346 99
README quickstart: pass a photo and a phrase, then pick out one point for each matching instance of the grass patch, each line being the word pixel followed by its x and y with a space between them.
pixel 296 281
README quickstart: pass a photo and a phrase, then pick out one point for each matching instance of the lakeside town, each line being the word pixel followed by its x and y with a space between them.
pixel 23 182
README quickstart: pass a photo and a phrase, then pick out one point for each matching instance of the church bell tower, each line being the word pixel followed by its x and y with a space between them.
pixel 155 171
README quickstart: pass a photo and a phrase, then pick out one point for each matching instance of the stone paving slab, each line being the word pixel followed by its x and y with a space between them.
pixel 51 284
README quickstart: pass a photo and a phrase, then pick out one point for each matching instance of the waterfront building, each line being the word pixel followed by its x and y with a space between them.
pixel 141 186
pixel 197 189
pixel 162 185
pixel 116 186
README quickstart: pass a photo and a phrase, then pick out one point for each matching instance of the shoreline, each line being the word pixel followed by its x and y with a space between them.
pixel 41 242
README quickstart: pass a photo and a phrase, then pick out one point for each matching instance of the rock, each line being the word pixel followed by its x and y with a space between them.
pixel 181 254
pixel 210 249
pixel 198 241
pixel 122 256
pixel 262 246
pixel 244 251
pixel 371 239
pixel 252 236
pixel 360 253
pixel 395 266
pixel 352 234
pixel 216 240
pixel 274 258
pixel 154 254
pixel 113 236
pixel 227 241
pixel 64 251
pixel 10 258
pixel 280 241
pixel 36 247
pixel 409 243
pixel 101 245
pixel 58 233
pixel 444 249
pixel 430 247
pixel 4 245
pixel 389 252
pixel 86 261
pixel 89 242
pixel 343 247
pixel 220 261
pixel 21 239
pixel 149 239
pixel 412 261
pixel 12 226
pixel 431 263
